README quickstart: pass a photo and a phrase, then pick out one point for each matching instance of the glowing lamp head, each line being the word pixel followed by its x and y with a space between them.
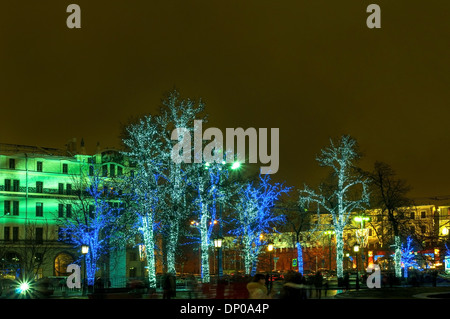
pixel 84 249
pixel 270 247
pixel 218 242
pixel 356 248
pixel 23 287
pixel 236 165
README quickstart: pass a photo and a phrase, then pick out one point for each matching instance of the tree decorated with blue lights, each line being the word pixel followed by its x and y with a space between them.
pixel 255 217
pixel 344 193
pixel 408 257
pixel 95 219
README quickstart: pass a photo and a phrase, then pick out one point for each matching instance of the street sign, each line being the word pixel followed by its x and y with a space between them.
pixel 447 264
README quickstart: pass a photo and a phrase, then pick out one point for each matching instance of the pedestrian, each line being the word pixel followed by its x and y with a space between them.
pixel 318 282
pixel 294 288
pixel 347 280
pixel 169 286
pixel 434 276
pixel 257 288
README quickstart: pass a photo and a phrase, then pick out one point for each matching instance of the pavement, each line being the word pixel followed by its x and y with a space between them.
pixel 424 291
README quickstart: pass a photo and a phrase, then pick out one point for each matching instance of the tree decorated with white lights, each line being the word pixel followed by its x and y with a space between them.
pixel 162 181
pixel 346 193
pixel 207 185
pixel 177 115
pixel 144 187
pixel 255 216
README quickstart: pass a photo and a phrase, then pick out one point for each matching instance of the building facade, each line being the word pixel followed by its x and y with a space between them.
pixel 37 190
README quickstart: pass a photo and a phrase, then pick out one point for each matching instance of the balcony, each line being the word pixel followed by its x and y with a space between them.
pixel 33 190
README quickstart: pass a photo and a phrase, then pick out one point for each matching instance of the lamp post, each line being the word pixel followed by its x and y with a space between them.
pixel 356 250
pixel 84 252
pixel 235 167
pixel 270 249
pixel 347 255
pixel 218 245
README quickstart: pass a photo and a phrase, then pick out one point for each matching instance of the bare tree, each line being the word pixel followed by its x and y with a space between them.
pixel 389 196
pixel 36 245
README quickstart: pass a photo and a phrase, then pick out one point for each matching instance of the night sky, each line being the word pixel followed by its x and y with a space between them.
pixel 311 68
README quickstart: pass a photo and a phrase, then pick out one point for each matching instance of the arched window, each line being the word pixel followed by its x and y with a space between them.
pixel 62 260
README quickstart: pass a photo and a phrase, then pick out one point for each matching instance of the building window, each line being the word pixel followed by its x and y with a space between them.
pixel 423 229
pixel 412 215
pixel 69 189
pixel 112 170
pixel 7 207
pixel 133 256
pixel 105 170
pixel 12 163
pixel 39 235
pixel 39 166
pixel 16 185
pixel 60 210
pixel 39 187
pixel 7 185
pixel 69 210
pixel 6 233
pixel 412 229
pixel 16 208
pixel 119 171
pixel 15 233
pixel 60 188
pixel 91 170
pixel 423 214
pixel 39 209
pixel 65 168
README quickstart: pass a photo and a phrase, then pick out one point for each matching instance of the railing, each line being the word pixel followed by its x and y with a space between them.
pixel 33 190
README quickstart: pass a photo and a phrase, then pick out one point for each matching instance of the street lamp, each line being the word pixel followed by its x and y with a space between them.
pixel 356 250
pixel 236 165
pixel 84 252
pixel 218 244
pixel 270 249
pixel 84 249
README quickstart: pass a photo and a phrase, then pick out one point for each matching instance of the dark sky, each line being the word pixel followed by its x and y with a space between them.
pixel 311 68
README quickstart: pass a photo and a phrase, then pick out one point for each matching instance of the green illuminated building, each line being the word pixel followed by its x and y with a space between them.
pixel 37 188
